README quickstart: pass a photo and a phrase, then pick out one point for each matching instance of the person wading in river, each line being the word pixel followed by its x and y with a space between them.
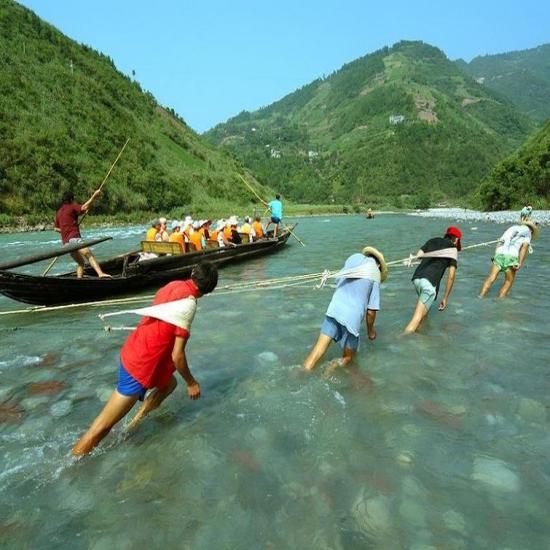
pixel 151 355
pixel 438 254
pixel 510 255
pixel 66 223
pixel 357 295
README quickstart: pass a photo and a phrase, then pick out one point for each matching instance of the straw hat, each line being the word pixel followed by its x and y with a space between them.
pixel 533 227
pixel 371 251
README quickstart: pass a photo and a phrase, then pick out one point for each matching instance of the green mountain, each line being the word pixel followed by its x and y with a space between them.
pixel 403 124
pixel 65 112
pixel 522 178
pixel 523 77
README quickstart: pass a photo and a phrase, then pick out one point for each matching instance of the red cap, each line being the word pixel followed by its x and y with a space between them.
pixel 455 232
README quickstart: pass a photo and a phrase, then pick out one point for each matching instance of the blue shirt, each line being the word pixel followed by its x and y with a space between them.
pixel 276 208
pixel 353 297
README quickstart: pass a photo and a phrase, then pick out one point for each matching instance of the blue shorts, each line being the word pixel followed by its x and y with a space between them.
pixel 340 334
pixel 128 385
pixel 275 219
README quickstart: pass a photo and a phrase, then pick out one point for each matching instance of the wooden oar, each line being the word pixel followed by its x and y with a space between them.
pixel 55 253
pixel 52 263
pixel 265 204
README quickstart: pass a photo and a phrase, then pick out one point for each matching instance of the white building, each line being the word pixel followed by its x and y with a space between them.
pixel 397 119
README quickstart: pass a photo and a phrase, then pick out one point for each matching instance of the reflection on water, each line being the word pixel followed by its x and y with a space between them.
pixel 435 441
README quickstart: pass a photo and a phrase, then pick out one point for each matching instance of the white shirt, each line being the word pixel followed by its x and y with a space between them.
pixel 513 239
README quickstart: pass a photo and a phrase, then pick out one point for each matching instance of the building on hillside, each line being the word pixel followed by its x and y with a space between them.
pixel 275 154
pixel 312 155
pixel 480 80
pixel 397 119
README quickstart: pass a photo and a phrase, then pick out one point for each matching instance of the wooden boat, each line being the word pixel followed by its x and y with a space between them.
pixel 129 273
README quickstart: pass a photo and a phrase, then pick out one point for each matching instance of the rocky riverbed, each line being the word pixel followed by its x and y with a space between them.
pixel 541 217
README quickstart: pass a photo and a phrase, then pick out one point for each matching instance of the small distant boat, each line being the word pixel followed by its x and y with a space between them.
pixel 129 273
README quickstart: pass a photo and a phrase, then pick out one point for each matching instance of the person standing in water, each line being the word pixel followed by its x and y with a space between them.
pixel 438 254
pixel 357 296
pixel 525 213
pixel 151 355
pixel 66 223
pixel 276 207
pixel 510 255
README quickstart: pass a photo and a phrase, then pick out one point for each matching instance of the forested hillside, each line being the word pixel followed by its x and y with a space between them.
pixel 523 77
pixel 334 140
pixel 65 112
pixel 522 178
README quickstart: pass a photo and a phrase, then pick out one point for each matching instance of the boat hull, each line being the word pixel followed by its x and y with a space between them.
pixel 128 275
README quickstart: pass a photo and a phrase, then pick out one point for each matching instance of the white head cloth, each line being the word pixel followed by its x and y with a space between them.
pixel 179 312
pixel 368 270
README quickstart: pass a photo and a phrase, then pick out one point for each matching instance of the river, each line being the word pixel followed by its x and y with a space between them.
pixel 439 440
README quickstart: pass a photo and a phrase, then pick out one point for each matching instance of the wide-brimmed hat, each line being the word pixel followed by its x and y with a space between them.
pixel 162 220
pixel 371 251
pixel 175 224
pixel 533 227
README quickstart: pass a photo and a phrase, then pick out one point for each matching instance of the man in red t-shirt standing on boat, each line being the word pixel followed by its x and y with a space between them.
pixel 66 223
pixel 152 353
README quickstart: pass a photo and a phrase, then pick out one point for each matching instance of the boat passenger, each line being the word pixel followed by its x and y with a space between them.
pixel 152 231
pixel 177 236
pixel 206 229
pixel 276 207
pixel 66 223
pixel 441 253
pixel 151 355
pixel 235 235
pixel 197 238
pixel 222 239
pixel 247 229
pixel 510 255
pixel 162 235
pixel 258 228
pixel 357 296
pixel 188 226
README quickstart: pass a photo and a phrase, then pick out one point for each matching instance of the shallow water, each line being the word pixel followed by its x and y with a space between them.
pixel 439 440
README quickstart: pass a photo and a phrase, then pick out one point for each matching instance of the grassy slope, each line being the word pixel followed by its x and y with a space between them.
pixel 523 77
pixel 65 111
pixel 455 131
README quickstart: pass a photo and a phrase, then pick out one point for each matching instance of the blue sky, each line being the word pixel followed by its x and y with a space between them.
pixel 211 59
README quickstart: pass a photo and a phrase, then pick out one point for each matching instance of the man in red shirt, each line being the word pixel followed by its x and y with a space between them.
pixel 66 223
pixel 149 358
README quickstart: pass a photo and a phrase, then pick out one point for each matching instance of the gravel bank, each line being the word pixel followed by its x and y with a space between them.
pixel 542 217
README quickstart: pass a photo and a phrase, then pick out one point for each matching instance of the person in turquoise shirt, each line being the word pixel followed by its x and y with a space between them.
pixel 276 207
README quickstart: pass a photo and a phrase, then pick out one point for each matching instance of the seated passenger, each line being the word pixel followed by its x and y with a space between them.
pixel 258 229
pixel 235 235
pixel 162 235
pixel 197 237
pixel 177 236
pixel 152 231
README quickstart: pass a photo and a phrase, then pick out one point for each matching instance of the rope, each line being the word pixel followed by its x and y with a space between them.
pixel 276 283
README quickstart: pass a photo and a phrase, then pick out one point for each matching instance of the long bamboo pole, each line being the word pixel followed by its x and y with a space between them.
pixel 52 263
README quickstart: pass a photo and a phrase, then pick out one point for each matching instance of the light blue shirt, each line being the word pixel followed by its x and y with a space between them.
pixel 353 297
pixel 276 208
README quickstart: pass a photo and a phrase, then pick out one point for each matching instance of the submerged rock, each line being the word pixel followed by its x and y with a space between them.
pixel 11 413
pixel 455 522
pixel 51 387
pixel 412 512
pixel 532 411
pixel 372 515
pixel 267 359
pixel 104 393
pixel 496 474
pixel 61 408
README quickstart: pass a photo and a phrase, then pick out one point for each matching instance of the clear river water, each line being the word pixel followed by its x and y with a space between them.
pixel 439 440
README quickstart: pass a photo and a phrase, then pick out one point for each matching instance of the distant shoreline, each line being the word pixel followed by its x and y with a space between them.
pixel 541 217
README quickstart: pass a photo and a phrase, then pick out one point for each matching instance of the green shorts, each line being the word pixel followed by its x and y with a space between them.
pixel 426 292
pixel 504 262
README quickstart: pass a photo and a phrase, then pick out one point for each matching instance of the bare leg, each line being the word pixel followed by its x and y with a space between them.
pixel 116 408
pixel 318 350
pixel 509 276
pixel 419 315
pixel 152 401
pixel 276 231
pixel 489 281
pixel 346 358
pixel 87 253
pixel 78 258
